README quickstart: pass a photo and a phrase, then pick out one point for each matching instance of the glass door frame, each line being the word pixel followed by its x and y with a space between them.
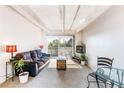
pixel 59 38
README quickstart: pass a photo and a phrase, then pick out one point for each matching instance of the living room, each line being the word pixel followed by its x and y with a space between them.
pixel 28 32
pixel 101 34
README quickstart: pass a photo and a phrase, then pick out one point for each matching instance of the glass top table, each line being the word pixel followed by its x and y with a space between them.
pixel 114 76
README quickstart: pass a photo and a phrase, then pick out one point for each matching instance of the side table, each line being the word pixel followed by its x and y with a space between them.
pixel 12 69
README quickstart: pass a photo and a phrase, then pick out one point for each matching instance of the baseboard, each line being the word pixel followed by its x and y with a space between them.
pixel 91 67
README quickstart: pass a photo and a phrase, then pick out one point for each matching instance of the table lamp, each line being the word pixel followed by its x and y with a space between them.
pixel 41 46
pixel 11 49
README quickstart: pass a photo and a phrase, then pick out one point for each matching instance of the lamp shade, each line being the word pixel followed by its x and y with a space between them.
pixel 11 48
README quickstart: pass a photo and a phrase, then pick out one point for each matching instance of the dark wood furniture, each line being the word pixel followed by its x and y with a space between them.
pixel 61 64
pixel 76 59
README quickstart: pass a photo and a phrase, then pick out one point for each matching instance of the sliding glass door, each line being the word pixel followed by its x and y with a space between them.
pixel 60 45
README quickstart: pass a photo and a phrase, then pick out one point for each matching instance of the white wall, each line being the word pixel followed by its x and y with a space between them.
pixel 78 41
pixel 14 29
pixel 105 37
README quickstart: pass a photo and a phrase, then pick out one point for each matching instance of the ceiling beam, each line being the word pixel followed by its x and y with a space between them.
pixel 75 16
pixel 28 19
pixel 24 17
pixel 93 16
pixel 62 17
pixel 58 30
pixel 34 15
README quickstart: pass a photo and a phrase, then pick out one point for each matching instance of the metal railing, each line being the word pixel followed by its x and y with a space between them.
pixel 64 51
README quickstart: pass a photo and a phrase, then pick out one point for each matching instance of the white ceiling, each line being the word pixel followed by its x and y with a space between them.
pixel 67 19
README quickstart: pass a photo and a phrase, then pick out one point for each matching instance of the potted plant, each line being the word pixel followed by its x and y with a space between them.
pixel 83 59
pixel 19 67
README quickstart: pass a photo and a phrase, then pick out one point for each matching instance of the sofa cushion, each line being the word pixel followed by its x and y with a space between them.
pixel 39 53
pixel 34 55
pixel 27 56
pixel 45 55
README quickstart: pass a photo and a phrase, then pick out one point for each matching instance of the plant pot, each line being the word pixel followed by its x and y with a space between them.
pixel 83 63
pixel 23 77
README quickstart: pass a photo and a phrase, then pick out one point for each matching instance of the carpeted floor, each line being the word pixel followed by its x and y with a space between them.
pixel 49 77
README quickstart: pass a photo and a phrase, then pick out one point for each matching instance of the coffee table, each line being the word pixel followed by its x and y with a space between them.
pixel 61 63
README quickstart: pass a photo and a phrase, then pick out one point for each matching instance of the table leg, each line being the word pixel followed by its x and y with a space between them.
pixel 13 72
pixel 6 71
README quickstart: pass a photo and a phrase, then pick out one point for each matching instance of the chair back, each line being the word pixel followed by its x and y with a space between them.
pixel 104 62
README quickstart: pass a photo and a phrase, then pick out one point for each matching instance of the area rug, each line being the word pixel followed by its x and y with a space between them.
pixel 69 63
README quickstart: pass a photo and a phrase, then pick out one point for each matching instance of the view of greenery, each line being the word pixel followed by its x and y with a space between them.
pixel 56 43
pixel 60 45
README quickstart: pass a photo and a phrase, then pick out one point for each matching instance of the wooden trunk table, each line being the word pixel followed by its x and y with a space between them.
pixel 61 64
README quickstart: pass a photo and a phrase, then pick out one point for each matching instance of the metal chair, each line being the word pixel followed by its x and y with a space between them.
pixel 101 62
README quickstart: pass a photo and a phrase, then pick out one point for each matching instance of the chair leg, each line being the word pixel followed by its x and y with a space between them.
pixel 105 84
pixel 97 81
pixel 88 81
pixel 112 85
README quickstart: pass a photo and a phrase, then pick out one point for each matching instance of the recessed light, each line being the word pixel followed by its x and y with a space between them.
pixel 82 20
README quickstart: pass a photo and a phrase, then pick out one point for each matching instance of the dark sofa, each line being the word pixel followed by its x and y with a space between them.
pixel 35 60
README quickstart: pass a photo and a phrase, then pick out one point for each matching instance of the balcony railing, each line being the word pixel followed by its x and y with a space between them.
pixel 63 51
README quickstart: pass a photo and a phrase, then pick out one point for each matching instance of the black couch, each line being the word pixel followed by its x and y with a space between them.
pixel 35 60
